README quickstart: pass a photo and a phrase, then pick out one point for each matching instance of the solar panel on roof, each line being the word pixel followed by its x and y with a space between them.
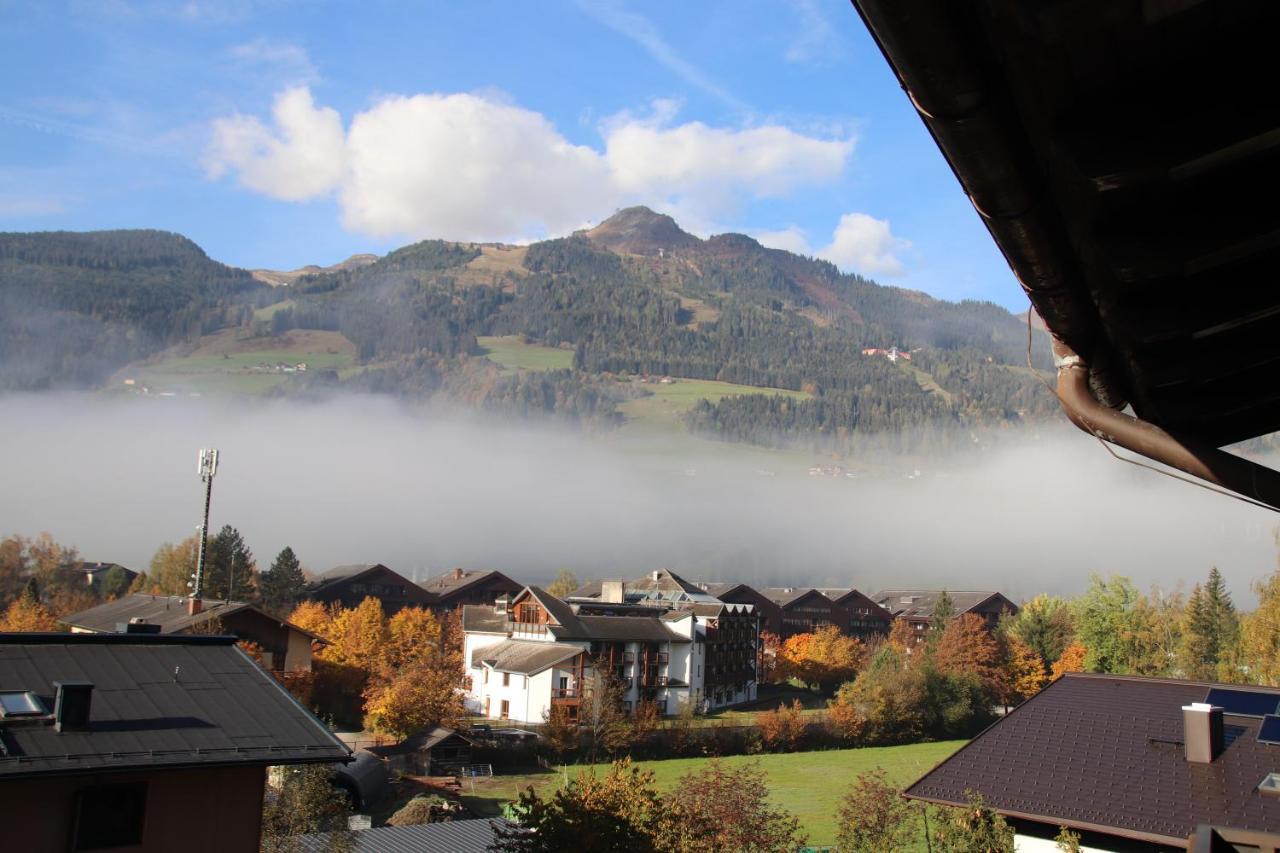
pixel 1248 703
pixel 1269 732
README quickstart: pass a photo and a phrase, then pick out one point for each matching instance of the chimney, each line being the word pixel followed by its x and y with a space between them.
pixel 71 707
pixel 611 592
pixel 1202 732
pixel 194 606
pixel 457 574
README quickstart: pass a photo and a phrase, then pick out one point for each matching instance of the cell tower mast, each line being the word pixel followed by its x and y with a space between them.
pixel 207 467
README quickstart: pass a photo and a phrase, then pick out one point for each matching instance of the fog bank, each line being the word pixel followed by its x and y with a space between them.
pixel 370 480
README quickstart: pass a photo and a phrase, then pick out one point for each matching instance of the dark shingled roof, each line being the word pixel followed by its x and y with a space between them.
pixel 455 836
pixel 567 624
pixel 481 618
pixel 157 701
pixel 925 599
pixel 447 582
pixel 638 628
pixel 1104 753
pixel 523 657
pixel 167 611
pixel 782 596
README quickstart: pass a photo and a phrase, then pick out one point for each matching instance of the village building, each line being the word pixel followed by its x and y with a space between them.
pixel 864 618
pixel 95 574
pixel 143 742
pixel 1129 763
pixel 458 587
pixel 805 610
pixel 285 646
pixel 739 593
pixel 529 653
pixel 916 606
pixel 347 586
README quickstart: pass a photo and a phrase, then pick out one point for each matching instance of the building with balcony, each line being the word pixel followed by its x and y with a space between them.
pixel 529 653
pixel 916 606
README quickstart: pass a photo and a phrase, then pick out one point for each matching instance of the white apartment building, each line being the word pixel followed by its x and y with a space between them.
pixel 534 651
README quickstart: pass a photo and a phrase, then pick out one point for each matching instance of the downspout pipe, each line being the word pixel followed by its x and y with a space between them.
pixel 1202 461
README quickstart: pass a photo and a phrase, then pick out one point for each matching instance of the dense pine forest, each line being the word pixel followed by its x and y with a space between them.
pixel 635 296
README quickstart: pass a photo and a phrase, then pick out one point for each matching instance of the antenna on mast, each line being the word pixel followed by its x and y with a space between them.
pixel 206 468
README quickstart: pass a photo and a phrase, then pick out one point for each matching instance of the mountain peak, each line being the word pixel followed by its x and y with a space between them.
pixel 640 231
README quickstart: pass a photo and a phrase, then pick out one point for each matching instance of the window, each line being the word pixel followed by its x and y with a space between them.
pixel 506 681
pixel 109 816
pixel 506 709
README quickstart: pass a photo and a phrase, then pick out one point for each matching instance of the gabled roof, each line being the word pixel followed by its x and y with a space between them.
pixel 449 583
pixel 567 624
pixel 842 595
pixel 157 701
pixel 922 601
pixel 786 596
pixel 341 575
pixel 94 568
pixel 1105 753
pixel 523 657
pixel 167 611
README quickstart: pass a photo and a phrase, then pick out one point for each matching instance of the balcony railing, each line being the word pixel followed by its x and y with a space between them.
pixel 565 693
pixel 528 628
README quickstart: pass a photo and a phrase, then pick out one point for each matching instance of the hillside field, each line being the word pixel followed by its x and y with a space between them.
pixel 514 354
pixel 810 785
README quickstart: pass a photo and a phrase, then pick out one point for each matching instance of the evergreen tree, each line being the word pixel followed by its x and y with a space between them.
pixel 229 569
pixel 1223 622
pixel 943 612
pixel 282 586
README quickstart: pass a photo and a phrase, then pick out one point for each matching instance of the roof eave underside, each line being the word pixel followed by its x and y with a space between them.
pixel 1123 156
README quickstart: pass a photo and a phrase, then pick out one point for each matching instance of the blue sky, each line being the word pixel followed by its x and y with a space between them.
pixel 277 134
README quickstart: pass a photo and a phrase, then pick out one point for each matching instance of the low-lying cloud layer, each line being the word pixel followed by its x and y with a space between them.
pixel 364 480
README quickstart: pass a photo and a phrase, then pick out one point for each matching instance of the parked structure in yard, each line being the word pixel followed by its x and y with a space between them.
pixel 916 606
pixel 458 587
pixel 142 742
pixel 1130 763
pixel 286 647
pixel 347 586
pixel 531 652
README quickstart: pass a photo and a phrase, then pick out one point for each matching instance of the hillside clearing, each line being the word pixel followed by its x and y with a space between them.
pixel 513 353
pixel 669 402
pixel 810 785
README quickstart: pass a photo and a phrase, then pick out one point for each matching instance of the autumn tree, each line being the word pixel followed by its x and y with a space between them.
pixel 173 566
pixel 13 567
pixel 618 812
pixel 901 635
pixel 769 663
pixel 967 647
pixel 26 613
pixel 783 729
pixel 1260 633
pixel 46 560
pixel 717 808
pixel 1044 625
pixel 824 658
pixel 973 828
pixel 415 698
pixel 359 637
pixel 1022 671
pixel 1073 659
pixel 414 636
pixel 115 583
pixel 283 585
pixel 305 802
pixel 873 816
pixel 314 617
pixel 559 730
pixel 564 584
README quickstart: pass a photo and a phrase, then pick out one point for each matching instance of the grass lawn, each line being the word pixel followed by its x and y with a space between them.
pixel 514 354
pixel 670 402
pixel 807 784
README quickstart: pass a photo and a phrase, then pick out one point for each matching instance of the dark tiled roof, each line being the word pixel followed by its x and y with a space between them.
pixel 523 657
pixel 783 596
pixel 1105 751
pixel 637 628
pixel 590 589
pixel 455 836
pixel 339 572
pixel 157 701
pixel 449 583
pixel 480 618
pixel 844 595
pixel 167 611
pixel 92 568
pixel 923 601
pixel 561 612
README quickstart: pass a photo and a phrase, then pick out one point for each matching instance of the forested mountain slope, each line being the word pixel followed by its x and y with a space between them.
pixel 635 295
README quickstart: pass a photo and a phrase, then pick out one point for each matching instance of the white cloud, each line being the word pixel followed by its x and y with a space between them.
pixel 864 244
pixel 463 166
pixel 303 157
pixel 816 40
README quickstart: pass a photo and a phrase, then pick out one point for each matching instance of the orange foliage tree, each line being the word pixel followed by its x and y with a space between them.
pixel 1072 660
pixel 902 635
pixel 25 613
pixel 825 658
pixel 1022 672
pixel 783 729
pixel 967 647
